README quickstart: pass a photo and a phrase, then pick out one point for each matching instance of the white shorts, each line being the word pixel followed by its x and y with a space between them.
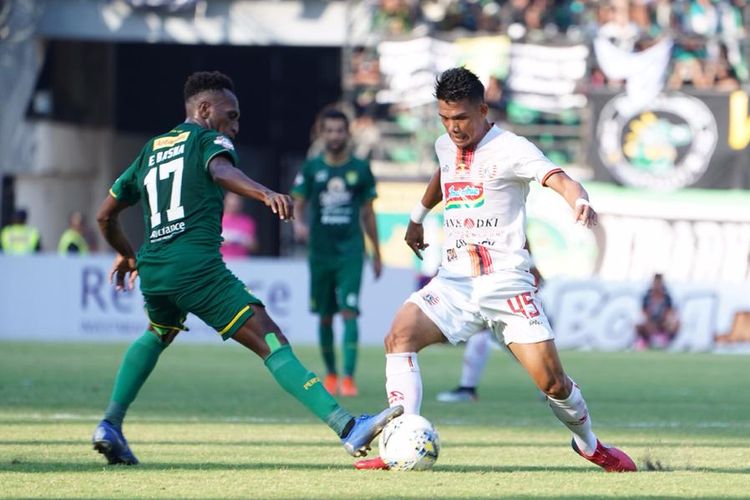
pixel 463 306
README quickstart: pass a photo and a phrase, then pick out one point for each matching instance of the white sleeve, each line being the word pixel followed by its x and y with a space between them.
pixel 530 163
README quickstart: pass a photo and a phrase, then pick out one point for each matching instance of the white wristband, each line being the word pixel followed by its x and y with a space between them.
pixel 418 213
pixel 582 202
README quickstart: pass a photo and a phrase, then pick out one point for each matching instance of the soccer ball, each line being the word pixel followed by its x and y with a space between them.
pixel 409 442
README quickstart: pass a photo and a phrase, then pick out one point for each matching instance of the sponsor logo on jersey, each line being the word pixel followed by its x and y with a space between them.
pixel 463 195
pixel 168 142
pixel 471 223
pixel 335 194
pixel 167 232
pixel 321 176
pixel 224 142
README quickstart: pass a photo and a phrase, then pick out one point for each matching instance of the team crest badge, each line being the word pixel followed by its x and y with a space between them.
pixel 224 142
pixel 351 178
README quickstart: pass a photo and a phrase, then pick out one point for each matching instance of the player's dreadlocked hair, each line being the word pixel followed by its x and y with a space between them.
pixel 456 84
pixel 207 80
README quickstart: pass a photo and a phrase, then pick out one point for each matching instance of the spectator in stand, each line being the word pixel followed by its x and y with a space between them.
pixel 696 50
pixel 618 28
pixel 660 323
pixel 394 17
pixel 725 76
pixel 18 237
pixel 76 239
pixel 642 14
pixel 237 228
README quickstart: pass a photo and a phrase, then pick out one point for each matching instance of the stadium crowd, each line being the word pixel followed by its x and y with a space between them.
pixel 708 52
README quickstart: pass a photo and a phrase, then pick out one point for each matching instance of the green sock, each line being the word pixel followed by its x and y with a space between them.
pixel 304 386
pixel 351 342
pixel 325 338
pixel 136 366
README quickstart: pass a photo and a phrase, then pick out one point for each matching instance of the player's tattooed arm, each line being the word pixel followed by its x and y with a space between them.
pixel 433 194
pixel 109 224
pixel 233 179
pixel 575 195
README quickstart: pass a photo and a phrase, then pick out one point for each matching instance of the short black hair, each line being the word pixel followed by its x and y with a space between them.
pixel 207 80
pixel 456 84
pixel 20 215
pixel 334 114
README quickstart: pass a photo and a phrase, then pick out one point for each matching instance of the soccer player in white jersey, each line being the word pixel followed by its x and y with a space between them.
pixel 484 279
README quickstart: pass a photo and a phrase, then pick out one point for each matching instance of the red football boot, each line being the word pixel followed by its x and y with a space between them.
pixel 331 383
pixel 371 464
pixel 348 388
pixel 609 458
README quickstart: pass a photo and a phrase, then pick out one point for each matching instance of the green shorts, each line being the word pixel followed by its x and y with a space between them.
pixel 334 285
pixel 220 300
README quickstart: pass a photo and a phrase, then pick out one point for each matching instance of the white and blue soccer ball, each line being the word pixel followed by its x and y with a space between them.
pixel 409 442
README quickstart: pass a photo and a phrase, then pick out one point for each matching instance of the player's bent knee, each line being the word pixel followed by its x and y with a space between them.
pixel 556 387
pixel 401 339
pixel 166 336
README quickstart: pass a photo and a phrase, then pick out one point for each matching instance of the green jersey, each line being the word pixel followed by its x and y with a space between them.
pixel 182 206
pixel 335 196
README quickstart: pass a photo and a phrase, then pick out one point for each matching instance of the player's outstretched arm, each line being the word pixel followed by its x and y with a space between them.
pixel 233 179
pixel 575 195
pixel 109 224
pixel 415 231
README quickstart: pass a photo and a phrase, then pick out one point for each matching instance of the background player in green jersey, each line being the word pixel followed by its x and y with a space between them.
pixel 339 190
pixel 180 178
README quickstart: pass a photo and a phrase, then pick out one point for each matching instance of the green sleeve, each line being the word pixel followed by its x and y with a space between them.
pixel 214 144
pixel 302 184
pixel 125 188
pixel 368 184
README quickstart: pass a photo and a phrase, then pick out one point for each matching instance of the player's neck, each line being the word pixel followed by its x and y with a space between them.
pixel 195 121
pixel 336 159
pixel 487 127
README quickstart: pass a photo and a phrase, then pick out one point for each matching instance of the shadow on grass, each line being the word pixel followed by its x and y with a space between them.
pixel 28 466
pixel 312 444
pixel 21 465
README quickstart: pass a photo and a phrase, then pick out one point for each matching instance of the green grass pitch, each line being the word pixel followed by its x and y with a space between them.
pixel 210 423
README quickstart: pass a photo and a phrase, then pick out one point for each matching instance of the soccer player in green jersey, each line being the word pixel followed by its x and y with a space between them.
pixel 339 190
pixel 180 178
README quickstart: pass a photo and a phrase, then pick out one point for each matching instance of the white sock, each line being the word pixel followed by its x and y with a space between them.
pixel 403 382
pixel 575 415
pixel 475 357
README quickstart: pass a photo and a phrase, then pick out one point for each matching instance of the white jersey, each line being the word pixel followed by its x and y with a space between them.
pixel 484 195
